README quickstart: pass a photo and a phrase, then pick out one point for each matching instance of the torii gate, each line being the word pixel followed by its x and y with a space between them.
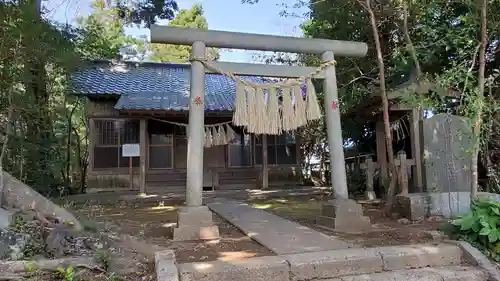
pixel 194 216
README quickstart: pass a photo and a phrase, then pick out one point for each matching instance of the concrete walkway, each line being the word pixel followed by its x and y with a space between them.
pixel 276 233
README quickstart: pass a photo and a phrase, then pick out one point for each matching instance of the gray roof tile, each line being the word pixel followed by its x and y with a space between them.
pixel 151 86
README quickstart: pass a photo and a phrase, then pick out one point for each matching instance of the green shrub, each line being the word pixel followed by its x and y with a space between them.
pixel 480 227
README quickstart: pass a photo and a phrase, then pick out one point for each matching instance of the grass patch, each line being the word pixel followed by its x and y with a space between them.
pixel 285 207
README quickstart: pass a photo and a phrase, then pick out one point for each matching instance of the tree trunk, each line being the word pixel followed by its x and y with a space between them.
pixel 385 103
pixel 39 157
pixel 476 128
pixel 8 132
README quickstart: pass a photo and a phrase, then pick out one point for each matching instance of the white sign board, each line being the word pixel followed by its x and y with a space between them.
pixel 131 150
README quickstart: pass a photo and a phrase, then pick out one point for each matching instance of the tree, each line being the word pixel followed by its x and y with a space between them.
pixel 367 5
pixel 144 12
pixel 436 40
pixel 102 32
pixel 191 18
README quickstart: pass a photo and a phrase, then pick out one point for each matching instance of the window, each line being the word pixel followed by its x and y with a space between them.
pixel 161 151
pixel 161 141
pixel 240 153
pixel 281 150
pixel 110 135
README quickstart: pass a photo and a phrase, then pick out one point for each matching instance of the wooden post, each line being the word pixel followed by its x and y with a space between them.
pixel 143 154
pixel 92 142
pixel 265 168
pixel 403 172
pixel 416 148
pixel 381 152
pixel 370 173
pixel 131 173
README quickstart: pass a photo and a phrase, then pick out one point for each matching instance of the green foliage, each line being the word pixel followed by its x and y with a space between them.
pixel 480 227
pixel 102 32
pixel 145 12
pixel 191 18
pixel 104 258
pixel 67 274
pixel 445 37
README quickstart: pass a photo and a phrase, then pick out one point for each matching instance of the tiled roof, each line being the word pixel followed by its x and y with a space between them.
pixel 151 86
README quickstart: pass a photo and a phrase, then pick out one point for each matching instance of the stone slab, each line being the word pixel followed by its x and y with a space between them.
pixel 251 269
pixel 276 233
pixel 344 216
pixel 418 256
pixel 330 264
pixel 417 206
pixel 461 273
pixel 474 257
pixel 447 142
pixel 17 195
pixel 165 267
pixel 190 232
pixel 347 224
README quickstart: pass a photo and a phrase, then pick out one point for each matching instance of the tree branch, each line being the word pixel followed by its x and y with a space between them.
pixel 410 46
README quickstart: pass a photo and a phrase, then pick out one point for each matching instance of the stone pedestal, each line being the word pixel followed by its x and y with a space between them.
pixel 195 223
pixel 344 215
pixel 370 195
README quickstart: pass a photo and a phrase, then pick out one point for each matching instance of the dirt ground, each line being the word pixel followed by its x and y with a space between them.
pixel 386 231
pixel 153 223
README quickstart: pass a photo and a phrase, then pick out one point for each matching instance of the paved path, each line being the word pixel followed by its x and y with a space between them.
pixel 276 233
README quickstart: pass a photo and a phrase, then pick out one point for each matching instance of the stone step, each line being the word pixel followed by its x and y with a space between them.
pixel 252 269
pixel 397 263
pixel 452 273
pixel 355 261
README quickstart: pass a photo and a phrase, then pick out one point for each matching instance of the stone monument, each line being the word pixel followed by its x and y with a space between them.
pixel 448 143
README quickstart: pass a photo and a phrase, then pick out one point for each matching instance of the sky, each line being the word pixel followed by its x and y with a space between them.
pixel 227 15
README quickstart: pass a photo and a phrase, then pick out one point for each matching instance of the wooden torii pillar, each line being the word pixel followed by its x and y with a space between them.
pixel 194 217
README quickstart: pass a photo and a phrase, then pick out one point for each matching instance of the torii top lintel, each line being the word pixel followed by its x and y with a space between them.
pixel 260 42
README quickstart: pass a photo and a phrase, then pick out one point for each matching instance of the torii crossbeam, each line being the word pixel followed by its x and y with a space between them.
pixel 194 212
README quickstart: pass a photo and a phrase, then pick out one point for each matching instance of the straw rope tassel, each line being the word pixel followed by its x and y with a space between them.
pixel 240 116
pixel 222 136
pixel 288 115
pixel 313 109
pixel 230 134
pixel 208 137
pixel 273 112
pixel 300 107
pixel 218 140
pixel 251 123
pixel 215 139
pixel 260 111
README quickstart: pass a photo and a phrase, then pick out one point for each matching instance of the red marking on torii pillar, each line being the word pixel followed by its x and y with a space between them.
pixel 197 100
pixel 334 105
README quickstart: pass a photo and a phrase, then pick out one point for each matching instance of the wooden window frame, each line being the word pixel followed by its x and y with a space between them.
pixel 118 146
pixel 250 146
pixel 171 145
